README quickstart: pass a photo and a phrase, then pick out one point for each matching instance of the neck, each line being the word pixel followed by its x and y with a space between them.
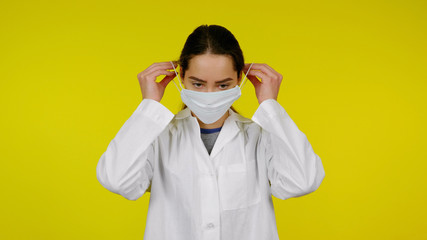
pixel 216 124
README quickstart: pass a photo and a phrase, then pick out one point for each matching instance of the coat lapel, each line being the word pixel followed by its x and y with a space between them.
pixel 228 131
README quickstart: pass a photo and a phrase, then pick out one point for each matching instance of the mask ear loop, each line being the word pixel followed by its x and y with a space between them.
pixel 179 80
pixel 243 82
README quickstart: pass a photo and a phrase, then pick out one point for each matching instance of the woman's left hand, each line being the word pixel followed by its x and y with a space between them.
pixel 268 87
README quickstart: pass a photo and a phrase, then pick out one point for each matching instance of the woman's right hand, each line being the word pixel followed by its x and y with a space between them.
pixel 147 80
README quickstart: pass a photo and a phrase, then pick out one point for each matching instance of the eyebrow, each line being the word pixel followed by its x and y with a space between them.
pixel 200 80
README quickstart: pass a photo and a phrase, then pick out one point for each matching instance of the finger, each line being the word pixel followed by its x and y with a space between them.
pixel 161 65
pixel 274 71
pixel 263 68
pixel 165 65
pixel 156 66
pixel 149 68
pixel 259 74
pixel 254 81
pixel 166 80
pixel 246 66
pixel 268 66
pixel 159 72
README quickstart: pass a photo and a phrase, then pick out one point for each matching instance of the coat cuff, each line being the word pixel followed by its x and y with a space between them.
pixel 268 110
pixel 155 111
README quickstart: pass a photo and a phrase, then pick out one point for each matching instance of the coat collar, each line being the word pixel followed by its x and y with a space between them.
pixel 231 127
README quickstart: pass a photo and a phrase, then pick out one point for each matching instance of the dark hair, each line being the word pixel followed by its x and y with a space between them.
pixel 212 39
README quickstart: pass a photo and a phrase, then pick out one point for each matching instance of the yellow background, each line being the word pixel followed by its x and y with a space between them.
pixel 354 83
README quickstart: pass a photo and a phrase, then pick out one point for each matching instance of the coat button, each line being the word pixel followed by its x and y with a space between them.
pixel 210 225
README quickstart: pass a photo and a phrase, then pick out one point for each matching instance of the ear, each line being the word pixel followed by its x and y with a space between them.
pixel 239 80
pixel 180 75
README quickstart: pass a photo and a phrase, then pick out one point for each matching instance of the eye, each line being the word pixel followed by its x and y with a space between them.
pixel 197 85
pixel 223 86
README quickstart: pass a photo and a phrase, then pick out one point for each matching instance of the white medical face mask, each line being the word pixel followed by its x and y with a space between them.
pixel 209 106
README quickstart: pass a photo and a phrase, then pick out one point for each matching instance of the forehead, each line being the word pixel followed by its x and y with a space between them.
pixel 211 67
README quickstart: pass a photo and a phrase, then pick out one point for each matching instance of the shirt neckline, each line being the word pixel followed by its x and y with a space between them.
pixel 212 130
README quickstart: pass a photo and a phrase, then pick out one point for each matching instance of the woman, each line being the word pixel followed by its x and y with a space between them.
pixel 211 171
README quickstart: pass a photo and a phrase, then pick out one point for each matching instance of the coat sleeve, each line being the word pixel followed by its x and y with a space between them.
pixel 126 167
pixel 293 168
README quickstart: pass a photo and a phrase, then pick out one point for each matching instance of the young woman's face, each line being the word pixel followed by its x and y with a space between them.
pixel 210 73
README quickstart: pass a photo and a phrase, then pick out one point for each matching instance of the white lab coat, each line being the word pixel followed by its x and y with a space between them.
pixel 222 196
